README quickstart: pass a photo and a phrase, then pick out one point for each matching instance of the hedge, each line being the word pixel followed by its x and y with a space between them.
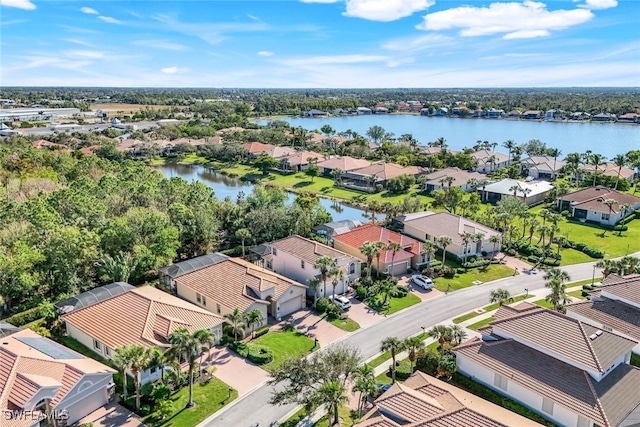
pixel 259 355
pixel 477 263
pixel 27 316
pixel 260 332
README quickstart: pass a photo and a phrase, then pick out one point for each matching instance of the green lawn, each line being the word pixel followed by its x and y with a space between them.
pixel 584 282
pixel 209 397
pixel 385 377
pixel 481 323
pixel 572 256
pixel 544 303
pixel 346 418
pixel 460 281
pixel 383 357
pixel 294 419
pixel 347 324
pixel 395 304
pixel 635 360
pixel 576 294
pixel 284 345
pixel 613 244
pixel 486 308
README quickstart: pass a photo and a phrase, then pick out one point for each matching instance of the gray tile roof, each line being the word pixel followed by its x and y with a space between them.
pixel 308 250
pixel 617 315
pixel 446 224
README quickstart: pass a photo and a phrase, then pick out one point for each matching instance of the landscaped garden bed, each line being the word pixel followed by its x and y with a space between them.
pixel 275 347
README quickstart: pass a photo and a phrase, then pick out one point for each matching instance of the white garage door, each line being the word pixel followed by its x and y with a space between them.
pixel 289 306
pixel 87 405
pixel 400 268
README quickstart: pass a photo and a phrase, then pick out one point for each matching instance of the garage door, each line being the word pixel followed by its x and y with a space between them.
pixel 87 405
pixel 289 306
pixel 400 268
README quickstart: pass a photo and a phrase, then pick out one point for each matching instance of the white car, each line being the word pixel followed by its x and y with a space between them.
pixel 422 281
pixel 343 302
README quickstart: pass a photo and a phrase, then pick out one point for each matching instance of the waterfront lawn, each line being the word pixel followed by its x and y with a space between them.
pixel 479 324
pixel 209 397
pixel 464 280
pixel 393 304
pixel 285 344
pixel 346 324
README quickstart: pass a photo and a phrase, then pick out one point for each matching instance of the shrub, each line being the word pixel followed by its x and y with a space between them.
pixel 511 252
pixel 427 362
pixel 593 252
pixel 476 263
pixel 334 311
pixel 27 316
pixel 461 270
pixel 400 291
pixel 584 293
pixel 620 227
pixel 366 281
pixel 533 259
pixel 448 272
pixel 259 355
pixel 580 246
pixel 565 213
pixel 403 371
pixel 322 304
pixel 551 262
pixel 587 287
pixel 160 392
pixel 361 293
pixel 260 332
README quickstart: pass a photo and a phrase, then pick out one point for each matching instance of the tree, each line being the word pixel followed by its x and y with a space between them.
pixel 337 275
pixel 495 239
pixel 609 203
pixel 332 394
pixel 414 347
pixel 190 346
pixel 265 162
pixel 555 281
pixel 254 318
pixel 428 249
pixel 466 239
pixel 379 246
pixel 500 296
pixel 509 145
pixel 364 382
pixel 394 345
pixel 122 360
pixel 337 175
pixel 384 287
pixel 443 242
pixel 369 250
pixel 119 267
pixel 442 334
pixel 243 234
pixel 394 247
pixel 376 133
pixel 236 322
pixel 458 334
pixel 312 171
pixel 620 160
pixel 596 160
pixel 314 285
pixel 325 264
pixel 136 358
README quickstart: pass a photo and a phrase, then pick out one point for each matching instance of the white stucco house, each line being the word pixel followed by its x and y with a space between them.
pixel 542 167
pixel 591 204
pixel 489 161
pixel 569 372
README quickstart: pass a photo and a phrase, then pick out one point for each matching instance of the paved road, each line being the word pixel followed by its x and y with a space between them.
pixel 254 407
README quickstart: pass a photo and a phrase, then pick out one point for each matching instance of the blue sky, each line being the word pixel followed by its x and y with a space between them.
pixel 320 43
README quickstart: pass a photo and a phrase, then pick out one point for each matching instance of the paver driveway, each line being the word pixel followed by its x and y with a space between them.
pixel 310 323
pixel 362 314
pixel 417 290
pixel 112 415
pixel 236 371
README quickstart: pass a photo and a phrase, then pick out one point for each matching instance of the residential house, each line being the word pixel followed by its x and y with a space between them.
pixel 415 108
pixel 425 112
pixel 591 204
pixel 531 115
pixel 441 112
pixel 7 329
pixel 369 177
pixel 609 169
pixel 256 148
pixel 450 177
pixel 381 110
pixel 298 160
pixel 570 372
pixel 629 118
pixel 143 316
pixel 603 117
pixel 429 226
pixel 541 167
pixel 614 307
pixel 343 163
pixel 552 115
pixel 316 113
pixel 38 376
pixel 221 284
pixel 514 114
pixel 331 229
pixel 410 256
pixel 280 152
pixel 580 115
pixel 423 400
pixel 295 256
pixel 363 111
pixel 488 161
pixel 403 107
pixel 43 143
pixel 532 192
pixel 493 113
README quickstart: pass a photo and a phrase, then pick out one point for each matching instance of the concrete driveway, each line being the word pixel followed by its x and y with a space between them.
pixel 417 290
pixel 112 415
pixel 310 323
pixel 236 371
pixel 362 314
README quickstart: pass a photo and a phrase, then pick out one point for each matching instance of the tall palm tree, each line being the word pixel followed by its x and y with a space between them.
pixel 509 145
pixel 236 321
pixel 332 394
pixel 555 281
pixel 442 334
pixel 337 275
pixel 379 246
pixel 555 153
pixel 443 242
pixel 414 347
pixel 190 346
pixel 466 239
pixel 500 296
pixel 596 160
pixel 364 382
pixel 139 359
pixel 620 160
pixel 368 249
pixel 254 318
pixel 325 264
pixel 610 203
pixel 394 247
pixel 394 345
pixel 314 285
pixel 495 239
pixel 428 249
pixel 122 360
pixel 458 334
pixel 243 234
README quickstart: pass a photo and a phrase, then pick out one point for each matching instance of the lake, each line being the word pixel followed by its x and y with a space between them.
pixel 604 138
pixel 224 186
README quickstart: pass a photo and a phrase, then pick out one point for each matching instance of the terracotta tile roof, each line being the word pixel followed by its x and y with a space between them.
pixel 257 147
pixel 483 156
pixel 128 144
pixel 385 171
pixel 609 169
pixel 617 315
pixel 344 163
pixel 593 198
pixel 374 233
pixel 460 177
pixel 306 249
pixel 606 402
pixel 25 368
pixel 544 163
pixel 446 224
pixel 234 282
pixel 511 310
pixel 408 404
pixel 564 337
pixel 43 143
pixel 300 157
pixel 616 278
pixel 140 316
pixel 279 152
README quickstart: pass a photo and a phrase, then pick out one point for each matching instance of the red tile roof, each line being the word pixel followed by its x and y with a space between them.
pixel 374 233
pixel 257 147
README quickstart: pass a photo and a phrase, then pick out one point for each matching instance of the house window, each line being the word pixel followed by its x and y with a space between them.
pixel 275 252
pixel 270 264
pixel 153 370
pixel 302 264
pixel 97 345
pixel 107 350
pixel 605 216
pixel 199 298
pixel 352 268
pixel 204 300
pixel 218 308
pixel 500 381
pixel 547 405
pixel 583 422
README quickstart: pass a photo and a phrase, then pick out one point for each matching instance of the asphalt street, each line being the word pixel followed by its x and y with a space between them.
pixel 253 409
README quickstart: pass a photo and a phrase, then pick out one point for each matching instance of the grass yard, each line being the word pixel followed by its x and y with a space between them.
pixel 572 256
pixel 294 419
pixel 635 360
pixel 383 357
pixel 584 282
pixel 394 304
pixel 576 294
pixel 613 244
pixel 486 308
pixel 284 345
pixel 544 303
pixel 347 324
pixel 209 397
pixel 486 274
pixel 481 323
pixel 347 418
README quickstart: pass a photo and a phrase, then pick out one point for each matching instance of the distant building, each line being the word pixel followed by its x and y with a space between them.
pixel 531 192
pixel 363 111
pixel 588 204
pixel 542 167
pixel 489 161
pixel 531 115
pixel 604 117
pixel 316 113
pixel 331 229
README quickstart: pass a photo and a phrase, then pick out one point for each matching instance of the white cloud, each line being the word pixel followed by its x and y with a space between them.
pixel 385 10
pixel 212 33
pixel 174 70
pixel 78 41
pixel 89 11
pixel 84 54
pixel 599 4
pixel 161 44
pixel 319 1
pixel 333 60
pixel 109 20
pixel 515 20
pixel 414 44
pixel 19 4
pixel 265 53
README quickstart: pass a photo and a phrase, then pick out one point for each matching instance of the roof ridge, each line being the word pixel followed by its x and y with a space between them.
pixel 148 326
pixel 597 398
pixel 11 377
pixel 107 299
pixel 589 346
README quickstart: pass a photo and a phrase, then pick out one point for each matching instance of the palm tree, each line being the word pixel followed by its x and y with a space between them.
pixel 338 276
pixel 364 382
pixel 428 249
pixel 509 145
pixel 458 334
pixel 325 264
pixel 555 153
pixel 466 239
pixel 620 160
pixel 337 175
pixel 314 285
pixel 243 234
pixel 596 160
pixel 442 334
pixel 495 239
pixel 122 360
pixel 443 242
pixel 610 203
pixel 394 345
pixel 236 321
pixel 379 246
pixel 332 394
pixel 254 318
pixel 138 358
pixel 500 296
pixel 384 287
pixel 394 247
pixel 368 249
pixel 191 346
pixel 555 280
pixel 414 347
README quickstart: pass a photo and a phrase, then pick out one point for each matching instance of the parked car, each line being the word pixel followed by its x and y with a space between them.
pixel 381 388
pixel 343 302
pixel 422 281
